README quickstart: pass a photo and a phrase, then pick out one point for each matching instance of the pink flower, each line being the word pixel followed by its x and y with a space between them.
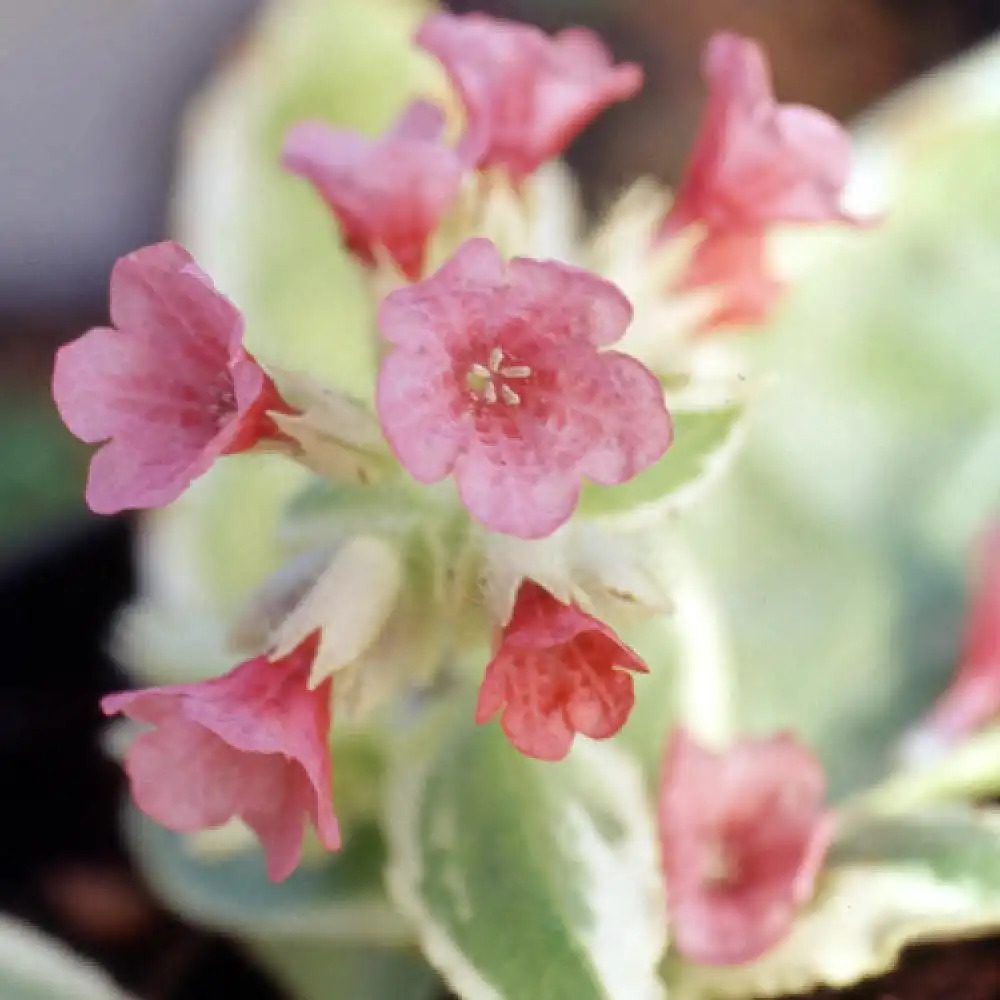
pixel 496 376
pixel 386 193
pixel 757 162
pixel 526 95
pixel 743 835
pixel 556 673
pixel 170 385
pixel 251 744
pixel 972 700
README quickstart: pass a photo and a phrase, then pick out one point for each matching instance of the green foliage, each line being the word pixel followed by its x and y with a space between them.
pixel 526 879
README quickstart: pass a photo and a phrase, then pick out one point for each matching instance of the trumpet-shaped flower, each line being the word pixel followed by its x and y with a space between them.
pixel 496 376
pixel 557 672
pixel 389 193
pixel 526 95
pixel 251 744
pixel 169 388
pixel 743 836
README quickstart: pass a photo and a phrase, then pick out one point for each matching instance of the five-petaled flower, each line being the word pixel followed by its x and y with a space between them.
pixel 387 194
pixel 972 700
pixel 756 164
pixel 251 744
pixel 526 95
pixel 496 375
pixel 557 672
pixel 743 834
pixel 170 385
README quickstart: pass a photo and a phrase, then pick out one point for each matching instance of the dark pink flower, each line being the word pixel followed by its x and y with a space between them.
pixel 496 375
pixel 526 95
pixel 251 744
pixel 757 162
pixel 386 193
pixel 170 387
pixel 734 266
pixel 557 672
pixel 743 834
pixel 972 700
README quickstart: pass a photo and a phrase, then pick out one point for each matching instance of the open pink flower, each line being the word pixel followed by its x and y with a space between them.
pixel 743 835
pixel 170 385
pixel 496 375
pixel 251 744
pixel 757 162
pixel 386 193
pixel 526 95
pixel 972 700
pixel 556 673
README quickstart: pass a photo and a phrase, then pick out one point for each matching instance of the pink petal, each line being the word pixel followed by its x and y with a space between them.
pixel 526 96
pixel 251 744
pixel 162 386
pixel 386 193
pixel 558 671
pixel 636 428
pixel 743 836
pixel 756 163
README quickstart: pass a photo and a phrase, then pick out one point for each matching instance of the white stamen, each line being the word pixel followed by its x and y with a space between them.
pixel 515 371
pixel 480 371
pixel 490 392
pixel 509 396
pixel 496 359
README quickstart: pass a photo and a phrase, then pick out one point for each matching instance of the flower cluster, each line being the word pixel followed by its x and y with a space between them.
pixel 535 387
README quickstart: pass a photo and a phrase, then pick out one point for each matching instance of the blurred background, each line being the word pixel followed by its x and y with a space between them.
pixel 92 94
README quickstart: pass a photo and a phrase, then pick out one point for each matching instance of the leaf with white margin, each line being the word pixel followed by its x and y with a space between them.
pixel 705 443
pixel 330 898
pixel 889 884
pixel 350 602
pixel 33 966
pixel 524 879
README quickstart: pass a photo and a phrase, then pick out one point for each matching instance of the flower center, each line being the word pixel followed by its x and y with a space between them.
pixel 490 382
pixel 719 868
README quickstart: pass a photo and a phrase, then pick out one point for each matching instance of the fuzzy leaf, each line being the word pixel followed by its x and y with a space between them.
pixel 35 967
pixel 525 879
pixel 890 883
pixel 705 441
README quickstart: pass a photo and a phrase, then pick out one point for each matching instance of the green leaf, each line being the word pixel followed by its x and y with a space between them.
pixel 890 883
pixel 527 880
pixel 704 443
pixel 312 971
pixel 35 967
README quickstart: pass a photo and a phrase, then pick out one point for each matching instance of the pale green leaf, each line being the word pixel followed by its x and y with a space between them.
pixel 312 971
pixel 889 884
pixel 35 967
pixel 704 443
pixel 527 880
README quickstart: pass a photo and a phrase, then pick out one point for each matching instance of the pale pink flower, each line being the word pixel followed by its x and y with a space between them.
pixel 251 744
pixel 757 162
pixel 744 834
pixel 388 193
pixel 557 672
pixel 972 700
pixel 496 376
pixel 169 387
pixel 526 95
